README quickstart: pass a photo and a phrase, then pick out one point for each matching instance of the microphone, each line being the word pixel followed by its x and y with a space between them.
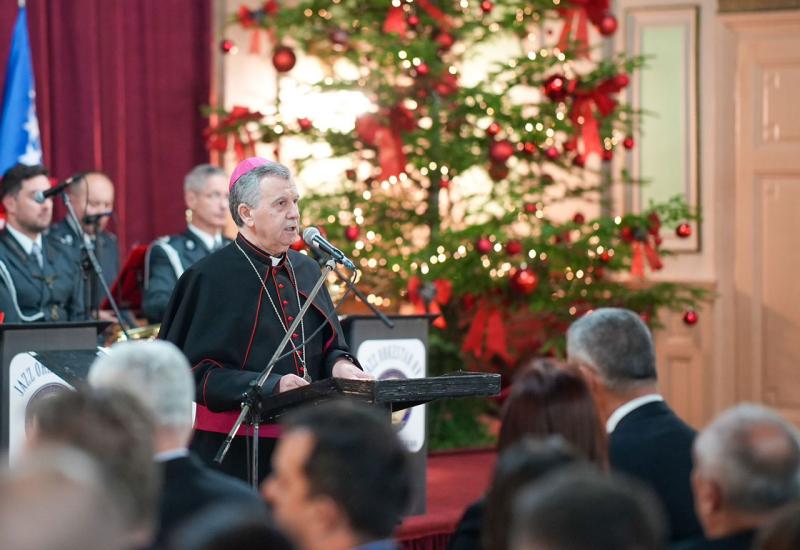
pixel 312 237
pixel 94 218
pixel 41 196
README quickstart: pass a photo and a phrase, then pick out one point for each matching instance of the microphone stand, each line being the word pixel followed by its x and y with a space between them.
pixel 378 313
pixel 88 249
pixel 251 400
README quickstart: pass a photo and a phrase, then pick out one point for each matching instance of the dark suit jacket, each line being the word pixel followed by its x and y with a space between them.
pixel 190 487
pixel 467 535
pixel 655 446
pixel 739 541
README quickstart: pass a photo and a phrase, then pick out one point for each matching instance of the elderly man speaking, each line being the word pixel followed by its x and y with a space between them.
pixel 229 312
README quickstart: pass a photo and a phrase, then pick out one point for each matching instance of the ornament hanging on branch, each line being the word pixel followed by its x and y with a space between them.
pixel 524 281
pixel 684 231
pixel 284 59
pixel 691 317
pixel 352 233
pixel 483 245
pixel 501 151
pixel 228 46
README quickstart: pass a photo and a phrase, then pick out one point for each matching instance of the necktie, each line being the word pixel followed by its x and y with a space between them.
pixel 36 252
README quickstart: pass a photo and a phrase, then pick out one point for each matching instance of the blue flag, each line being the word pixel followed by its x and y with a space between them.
pixel 19 127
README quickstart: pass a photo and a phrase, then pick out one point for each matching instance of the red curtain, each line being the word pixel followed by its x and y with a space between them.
pixel 119 88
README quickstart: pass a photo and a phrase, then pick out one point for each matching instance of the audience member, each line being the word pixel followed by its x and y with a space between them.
pixel 159 376
pixel 340 478
pixel 57 499
pixel 41 279
pixel 115 430
pixel 206 194
pixel 614 350
pixel 229 527
pixel 577 509
pixel 92 197
pixel 783 532
pixel 747 468
pixel 519 466
pixel 546 399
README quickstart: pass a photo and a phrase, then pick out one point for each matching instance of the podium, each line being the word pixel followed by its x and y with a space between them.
pixel 24 377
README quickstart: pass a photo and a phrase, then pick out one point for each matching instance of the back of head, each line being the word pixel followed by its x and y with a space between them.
pixel 617 345
pixel 579 509
pixel 195 180
pixel 753 455
pixel 549 399
pixel 156 373
pixel 518 466
pixel 14 176
pixel 359 462
pixel 115 430
pixel 57 499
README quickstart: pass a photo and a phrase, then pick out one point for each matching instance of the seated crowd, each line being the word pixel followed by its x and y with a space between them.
pixel 590 457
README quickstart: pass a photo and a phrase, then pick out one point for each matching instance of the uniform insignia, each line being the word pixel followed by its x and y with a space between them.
pixel 67 240
pixel 190 245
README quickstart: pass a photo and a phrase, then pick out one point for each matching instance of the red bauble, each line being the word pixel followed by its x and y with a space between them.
pixel 690 317
pixel 413 20
pixel 684 231
pixel 579 160
pixel 628 142
pixel 501 151
pixel 608 25
pixel 627 234
pixel 608 155
pixel 605 257
pixel 483 245
pixel 486 6
pixel 556 87
pixel 351 174
pixel 298 245
pixel 529 147
pixel 621 80
pixel 552 152
pixel 423 69
pixel 351 233
pixel 227 46
pixel 339 37
pixel 305 124
pixel 444 183
pixel 445 40
pixel 570 145
pixel 530 208
pixel 524 281
pixel 498 172
pixel 493 129
pixel 513 247
pixel 284 59
pixel 579 218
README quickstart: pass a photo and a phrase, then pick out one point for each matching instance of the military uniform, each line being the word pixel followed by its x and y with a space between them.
pixel 106 250
pixel 52 292
pixel 166 260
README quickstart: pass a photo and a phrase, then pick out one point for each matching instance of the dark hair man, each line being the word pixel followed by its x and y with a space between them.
pixel 340 478
pixel 614 351
pixel 229 313
pixel 40 279
pixel 206 194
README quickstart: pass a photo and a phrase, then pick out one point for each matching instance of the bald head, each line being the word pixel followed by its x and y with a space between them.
pixel 93 194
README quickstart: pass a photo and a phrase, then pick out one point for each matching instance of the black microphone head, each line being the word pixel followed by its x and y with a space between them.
pixel 39 197
pixel 308 235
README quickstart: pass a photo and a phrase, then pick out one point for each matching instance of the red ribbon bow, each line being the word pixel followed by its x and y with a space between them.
pixel 387 139
pixel 249 19
pixel 233 128
pixel 583 117
pixel 487 325
pixel 583 11
pixel 641 250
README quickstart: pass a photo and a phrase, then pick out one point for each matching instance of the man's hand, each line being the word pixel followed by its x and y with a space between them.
pixel 345 369
pixel 290 382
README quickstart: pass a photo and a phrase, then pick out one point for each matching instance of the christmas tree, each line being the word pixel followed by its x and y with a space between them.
pixel 458 185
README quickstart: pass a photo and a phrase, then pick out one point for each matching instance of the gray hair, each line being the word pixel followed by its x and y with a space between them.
pixel 247 189
pixel 156 373
pixel 615 343
pixel 753 455
pixel 195 180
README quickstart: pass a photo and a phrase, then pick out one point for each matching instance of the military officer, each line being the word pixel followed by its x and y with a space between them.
pixel 40 278
pixel 92 197
pixel 206 194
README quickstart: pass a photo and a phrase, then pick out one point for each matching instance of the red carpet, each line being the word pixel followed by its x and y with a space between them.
pixel 455 480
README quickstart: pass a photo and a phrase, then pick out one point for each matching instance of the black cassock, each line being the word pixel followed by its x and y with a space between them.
pixel 221 318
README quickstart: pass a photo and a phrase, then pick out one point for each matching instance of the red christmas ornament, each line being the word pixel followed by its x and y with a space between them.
pixel 621 80
pixel 340 37
pixel 645 317
pixel 413 20
pixel 447 85
pixel 608 155
pixel 444 183
pixel 556 87
pixel 529 147
pixel 493 129
pixel 498 171
pixel 445 40
pixel 579 160
pixel 690 317
pixel 605 257
pixel 305 124
pixel 351 233
pixel 501 151
pixel 530 208
pixel 351 174
pixel 284 59
pixel 627 234
pixel 684 231
pixel 227 46
pixel 524 281
pixel 423 69
pixel 608 25
pixel 552 153
pixel 483 245
pixel 298 245
pixel 628 142
pixel 513 247
pixel 579 218
pixel 486 6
